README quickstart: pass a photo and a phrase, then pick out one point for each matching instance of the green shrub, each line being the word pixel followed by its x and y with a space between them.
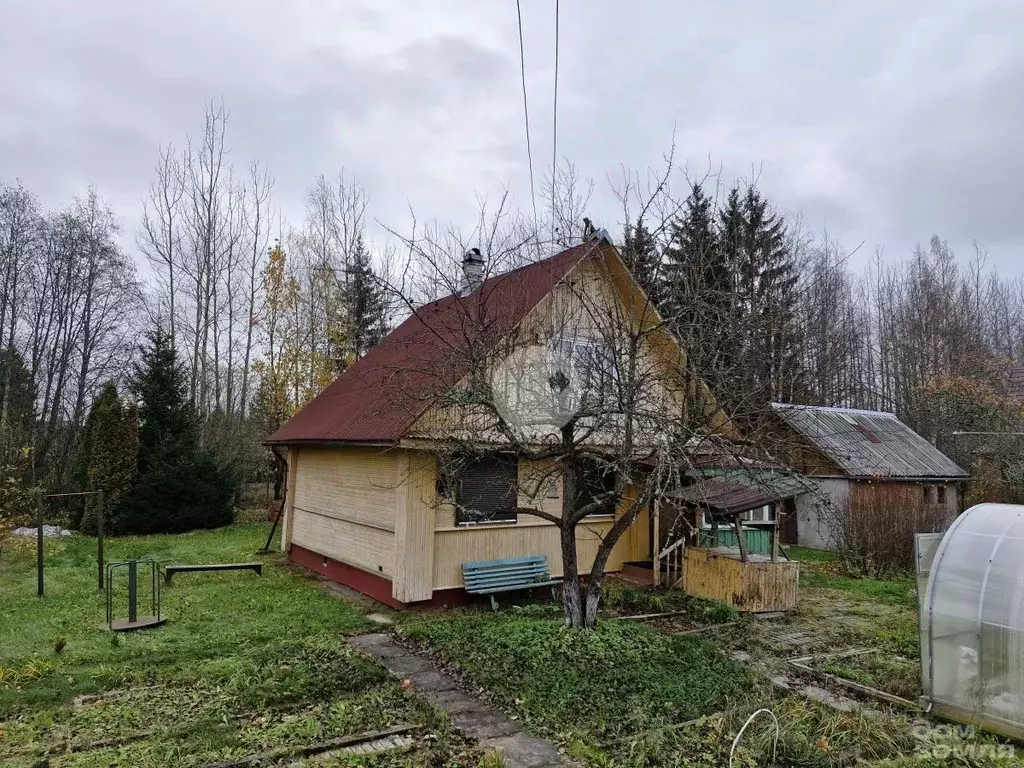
pixel 174 498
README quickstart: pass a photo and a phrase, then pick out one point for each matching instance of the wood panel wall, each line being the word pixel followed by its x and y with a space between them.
pixel 454 545
pixel 379 511
pixel 414 527
pixel 757 586
pixel 344 505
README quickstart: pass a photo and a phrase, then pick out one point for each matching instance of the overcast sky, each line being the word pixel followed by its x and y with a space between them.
pixel 883 121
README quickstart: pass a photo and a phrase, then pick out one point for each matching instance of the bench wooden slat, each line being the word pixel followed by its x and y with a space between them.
pixel 495 590
pixel 524 573
pixel 488 577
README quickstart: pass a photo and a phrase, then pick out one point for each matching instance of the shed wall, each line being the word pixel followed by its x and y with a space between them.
pixel 815 526
pixel 814 530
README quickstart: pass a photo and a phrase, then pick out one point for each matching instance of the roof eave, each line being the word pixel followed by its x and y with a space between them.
pixel 328 442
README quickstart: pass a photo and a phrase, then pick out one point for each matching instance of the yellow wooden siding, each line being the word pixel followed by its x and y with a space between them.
pixel 756 586
pixel 289 510
pixel 494 542
pixel 371 549
pixel 414 527
pixel 454 545
pixel 345 505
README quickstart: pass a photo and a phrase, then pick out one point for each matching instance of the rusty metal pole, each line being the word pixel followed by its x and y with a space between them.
pixel 39 545
pixel 99 535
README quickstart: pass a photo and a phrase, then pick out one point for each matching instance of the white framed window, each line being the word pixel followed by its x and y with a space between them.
pixel 759 515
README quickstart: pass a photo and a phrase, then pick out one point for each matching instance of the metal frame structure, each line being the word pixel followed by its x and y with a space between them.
pixel 134 621
pixel 40 585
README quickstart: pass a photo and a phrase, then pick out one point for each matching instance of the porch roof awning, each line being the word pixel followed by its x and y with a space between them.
pixel 731 493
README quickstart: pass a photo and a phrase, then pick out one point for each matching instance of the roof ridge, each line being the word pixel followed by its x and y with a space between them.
pixel 457 294
pixel 832 409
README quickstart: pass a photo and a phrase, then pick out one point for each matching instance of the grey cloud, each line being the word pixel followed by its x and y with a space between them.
pixel 882 121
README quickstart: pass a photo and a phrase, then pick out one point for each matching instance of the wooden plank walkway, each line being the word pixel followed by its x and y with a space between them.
pixel 473 717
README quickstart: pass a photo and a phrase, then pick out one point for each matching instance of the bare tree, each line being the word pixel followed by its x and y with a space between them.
pixel 159 238
pixel 590 390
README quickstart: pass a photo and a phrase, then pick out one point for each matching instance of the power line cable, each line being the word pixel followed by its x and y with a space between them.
pixel 554 130
pixel 526 109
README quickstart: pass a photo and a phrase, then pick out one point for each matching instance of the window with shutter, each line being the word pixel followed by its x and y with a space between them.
pixel 486 491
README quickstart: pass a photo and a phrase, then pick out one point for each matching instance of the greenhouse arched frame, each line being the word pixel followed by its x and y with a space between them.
pixel 972 621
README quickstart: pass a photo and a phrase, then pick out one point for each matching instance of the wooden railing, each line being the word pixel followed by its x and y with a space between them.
pixel 672 557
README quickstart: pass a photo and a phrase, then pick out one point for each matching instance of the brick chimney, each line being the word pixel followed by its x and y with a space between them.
pixel 472 271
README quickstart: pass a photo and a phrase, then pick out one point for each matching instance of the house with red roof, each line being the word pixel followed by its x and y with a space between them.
pixel 366 502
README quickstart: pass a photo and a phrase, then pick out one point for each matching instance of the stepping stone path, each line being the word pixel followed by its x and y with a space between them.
pixel 474 718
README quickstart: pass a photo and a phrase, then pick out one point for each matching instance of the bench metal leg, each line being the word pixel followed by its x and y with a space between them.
pixel 494 603
pixel 554 595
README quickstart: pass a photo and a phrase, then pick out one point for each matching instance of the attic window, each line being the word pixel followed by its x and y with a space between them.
pixel 870 436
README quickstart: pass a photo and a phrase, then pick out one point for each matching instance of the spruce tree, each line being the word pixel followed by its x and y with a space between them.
pixel 366 305
pixel 767 282
pixel 700 289
pixel 169 430
pixel 180 486
pixel 112 447
pixel 17 402
pixel 642 256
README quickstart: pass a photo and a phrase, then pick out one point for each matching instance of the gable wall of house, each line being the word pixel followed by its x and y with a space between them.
pixel 612 301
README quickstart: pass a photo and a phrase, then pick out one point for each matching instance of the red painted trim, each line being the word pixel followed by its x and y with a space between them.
pixel 370 584
pixel 379 587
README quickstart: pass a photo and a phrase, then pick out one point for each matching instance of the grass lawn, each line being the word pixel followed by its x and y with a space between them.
pixel 243 665
pixel 820 570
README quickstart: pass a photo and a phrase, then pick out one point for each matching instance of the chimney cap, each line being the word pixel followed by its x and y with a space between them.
pixel 473 257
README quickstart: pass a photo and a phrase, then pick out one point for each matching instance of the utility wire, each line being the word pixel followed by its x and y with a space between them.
pixel 526 110
pixel 554 131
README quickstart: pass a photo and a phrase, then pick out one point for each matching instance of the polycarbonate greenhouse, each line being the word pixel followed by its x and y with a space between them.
pixel 972 620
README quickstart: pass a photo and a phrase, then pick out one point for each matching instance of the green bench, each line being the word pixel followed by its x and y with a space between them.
pixel 170 570
pixel 490 577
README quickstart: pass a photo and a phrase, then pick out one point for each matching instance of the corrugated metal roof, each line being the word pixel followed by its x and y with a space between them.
pixel 383 393
pixel 868 443
pixel 738 491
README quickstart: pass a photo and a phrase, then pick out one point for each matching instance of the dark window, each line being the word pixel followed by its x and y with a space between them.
pixel 586 364
pixel 486 491
pixel 941 494
pixel 597 479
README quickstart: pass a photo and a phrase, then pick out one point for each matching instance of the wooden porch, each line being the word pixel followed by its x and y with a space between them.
pixel 733 560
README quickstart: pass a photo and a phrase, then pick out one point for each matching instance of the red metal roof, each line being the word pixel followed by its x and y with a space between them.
pixel 383 393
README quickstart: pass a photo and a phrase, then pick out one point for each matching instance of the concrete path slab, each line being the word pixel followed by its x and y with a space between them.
pixel 473 717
